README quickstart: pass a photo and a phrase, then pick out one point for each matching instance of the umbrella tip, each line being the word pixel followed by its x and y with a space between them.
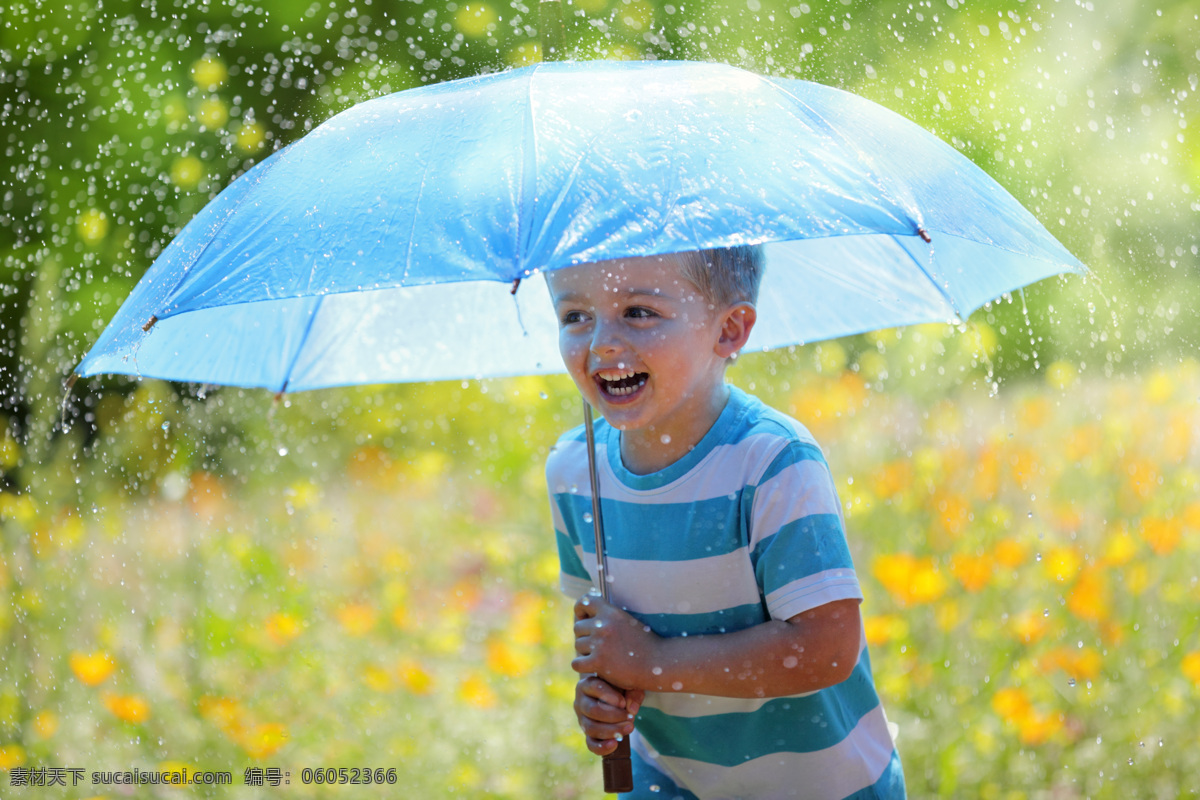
pixel 150 323
pixel 516 283
pixel 924 234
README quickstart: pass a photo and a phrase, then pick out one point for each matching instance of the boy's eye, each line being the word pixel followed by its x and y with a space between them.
pixel 571 317
pixel 640 312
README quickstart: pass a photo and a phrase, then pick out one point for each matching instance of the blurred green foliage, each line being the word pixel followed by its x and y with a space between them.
pixel 119 120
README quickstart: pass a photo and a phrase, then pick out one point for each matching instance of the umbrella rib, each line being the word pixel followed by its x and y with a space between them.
pixel 312 318
pixel 875 174
pixel 940 289
pixel 267 166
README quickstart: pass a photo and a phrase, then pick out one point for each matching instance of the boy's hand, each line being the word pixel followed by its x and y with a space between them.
pixel 605 712
pixel 613 644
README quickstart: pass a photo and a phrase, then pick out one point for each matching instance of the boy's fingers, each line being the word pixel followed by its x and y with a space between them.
pixel 601 712
pixel 587 606
pixel 601 747
pixel 602 691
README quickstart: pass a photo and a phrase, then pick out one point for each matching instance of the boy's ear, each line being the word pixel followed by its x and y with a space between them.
pixel 736 325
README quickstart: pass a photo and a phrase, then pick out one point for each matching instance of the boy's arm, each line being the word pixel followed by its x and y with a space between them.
pixel 812 650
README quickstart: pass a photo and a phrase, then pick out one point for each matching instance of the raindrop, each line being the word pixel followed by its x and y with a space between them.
pixel 1071 682
pixel 665 438
pixel 657 671
pixel 283 451
pixel 587 517
pixel 678 686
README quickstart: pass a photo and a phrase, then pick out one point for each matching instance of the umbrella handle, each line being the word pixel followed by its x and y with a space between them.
pixel 618 769
pixel 617 766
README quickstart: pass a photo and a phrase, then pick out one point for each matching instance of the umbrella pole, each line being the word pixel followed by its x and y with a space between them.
pixel 617 766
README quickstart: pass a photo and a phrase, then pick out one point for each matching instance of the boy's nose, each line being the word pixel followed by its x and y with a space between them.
pixel 605 340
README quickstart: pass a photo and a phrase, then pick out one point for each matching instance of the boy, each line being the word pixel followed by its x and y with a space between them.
pixel 734 633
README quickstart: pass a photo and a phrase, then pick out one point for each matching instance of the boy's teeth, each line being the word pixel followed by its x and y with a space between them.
pixel 618 383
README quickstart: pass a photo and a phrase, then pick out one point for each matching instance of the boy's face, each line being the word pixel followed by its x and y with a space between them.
pixel 642 344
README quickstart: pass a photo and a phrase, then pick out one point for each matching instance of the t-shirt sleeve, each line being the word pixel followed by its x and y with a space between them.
pixel 797 538
pixel 574 579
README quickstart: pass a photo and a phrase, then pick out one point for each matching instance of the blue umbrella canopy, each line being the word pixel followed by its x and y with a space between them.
pixel 386 244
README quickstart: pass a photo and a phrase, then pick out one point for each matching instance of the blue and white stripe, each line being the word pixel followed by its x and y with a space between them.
pixel 745 528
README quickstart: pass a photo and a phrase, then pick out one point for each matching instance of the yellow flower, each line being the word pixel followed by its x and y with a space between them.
pixel 357 619
pixel 281 627
pixel 1191 667
pixel 212 113
pixel 1119 548
pixel 1061 564
pixel 45 724
pixel 263 740
pixel 475 691
pixel 130 708
pixel 187 171
pixel 11 755
pixel 476 19
pixel 377 679
pixel 507 660
pixel 92 669
pixel 414 677
pixel 1061 375
pixel 251 137
pixel 1029 626
pixel 526 626
pixel 209 73
pixel 92 226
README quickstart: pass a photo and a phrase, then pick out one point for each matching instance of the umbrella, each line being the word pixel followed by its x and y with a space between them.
pixel 395 241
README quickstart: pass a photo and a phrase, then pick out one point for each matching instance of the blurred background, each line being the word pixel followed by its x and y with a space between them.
pixel 217 578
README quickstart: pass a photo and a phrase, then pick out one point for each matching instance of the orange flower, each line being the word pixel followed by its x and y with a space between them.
pixel 953 513
pixel 1011 554
pixel 1089 598
pixel 130 708
pixel 973 572
pixel 1162 534
pixel 92 669
pixel 884 628
pixel 986 474
pixel 506 660
pixel 1143 477
pixel 909 579
pixel 1024 466
pixel 892 479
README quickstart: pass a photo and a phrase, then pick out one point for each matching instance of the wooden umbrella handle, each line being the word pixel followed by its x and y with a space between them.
pixel 618 769
pixel 617 766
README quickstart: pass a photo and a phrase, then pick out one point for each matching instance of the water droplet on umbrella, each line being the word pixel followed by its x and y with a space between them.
pixel 665 438
pixel 587 517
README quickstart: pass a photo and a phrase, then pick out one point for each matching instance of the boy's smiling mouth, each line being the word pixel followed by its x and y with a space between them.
pixel 619 382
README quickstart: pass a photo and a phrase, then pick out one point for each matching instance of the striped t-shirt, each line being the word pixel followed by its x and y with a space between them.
pixel 745 528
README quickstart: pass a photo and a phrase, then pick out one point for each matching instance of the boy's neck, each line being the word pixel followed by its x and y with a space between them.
pixel 654 448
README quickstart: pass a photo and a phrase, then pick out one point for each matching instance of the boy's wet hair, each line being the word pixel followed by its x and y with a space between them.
pixel 725 275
